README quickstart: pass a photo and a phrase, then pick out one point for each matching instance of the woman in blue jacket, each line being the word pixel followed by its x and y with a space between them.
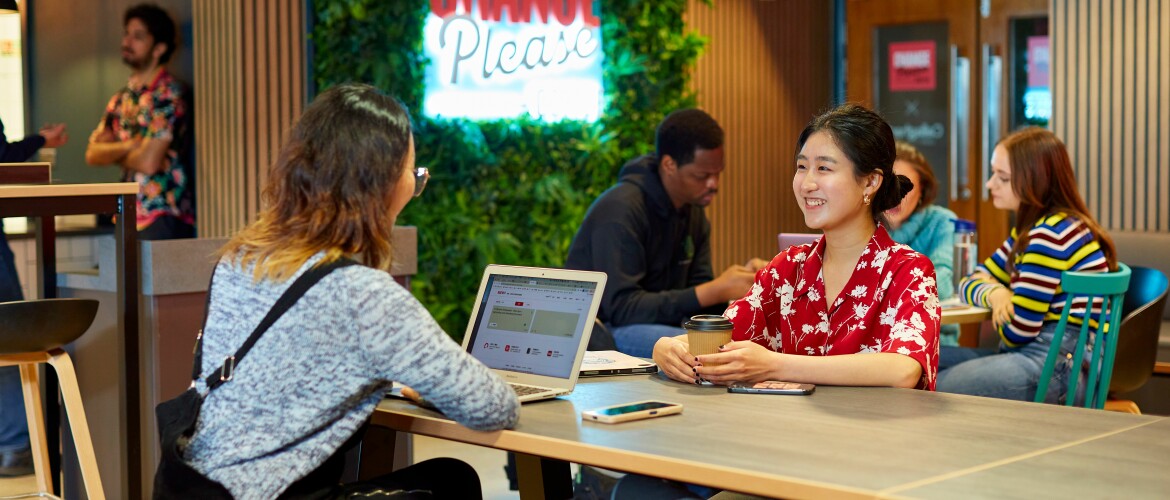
pixel 925 227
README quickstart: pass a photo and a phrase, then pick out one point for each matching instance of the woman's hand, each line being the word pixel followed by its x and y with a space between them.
pixel 413 395
pixel 1001 306
pixel 743 361
pixel 982 276
pixel 756 263
pixel 673 356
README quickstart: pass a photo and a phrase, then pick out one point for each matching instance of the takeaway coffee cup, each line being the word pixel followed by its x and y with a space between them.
pixel 706 332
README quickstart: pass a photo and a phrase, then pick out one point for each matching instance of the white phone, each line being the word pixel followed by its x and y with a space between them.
pixel 631 411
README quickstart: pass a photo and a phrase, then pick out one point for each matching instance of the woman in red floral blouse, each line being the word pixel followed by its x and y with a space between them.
pixel 853 308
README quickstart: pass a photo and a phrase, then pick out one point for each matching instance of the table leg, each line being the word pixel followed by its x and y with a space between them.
pixel 125 241
pixel 46 232
pixel 382 451
pixel 543 478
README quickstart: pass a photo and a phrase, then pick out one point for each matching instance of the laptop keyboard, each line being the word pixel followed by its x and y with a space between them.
pixel 524 390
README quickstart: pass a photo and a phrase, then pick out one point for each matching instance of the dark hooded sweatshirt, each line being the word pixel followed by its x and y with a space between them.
pixel 654 255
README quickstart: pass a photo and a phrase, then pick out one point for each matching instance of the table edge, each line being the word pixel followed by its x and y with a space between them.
pixel 629 461
pixel 49 190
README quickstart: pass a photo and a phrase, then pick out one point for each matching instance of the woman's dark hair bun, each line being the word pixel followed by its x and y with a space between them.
pixel 891 193
pixel 905 185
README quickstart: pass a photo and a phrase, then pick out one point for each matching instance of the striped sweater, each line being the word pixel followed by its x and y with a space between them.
pixel 1056 243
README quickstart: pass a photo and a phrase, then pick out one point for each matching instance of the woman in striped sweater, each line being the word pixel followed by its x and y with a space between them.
pixel 1032 176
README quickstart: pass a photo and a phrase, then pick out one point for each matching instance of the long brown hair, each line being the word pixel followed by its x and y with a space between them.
pixel 331 185
pixel 1043 180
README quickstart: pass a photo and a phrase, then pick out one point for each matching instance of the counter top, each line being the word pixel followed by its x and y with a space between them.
pixel 40 190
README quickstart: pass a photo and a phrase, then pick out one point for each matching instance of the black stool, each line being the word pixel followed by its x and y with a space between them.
pixel 32 332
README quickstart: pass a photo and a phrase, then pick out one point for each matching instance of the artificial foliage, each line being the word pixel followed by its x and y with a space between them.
pixel 508 191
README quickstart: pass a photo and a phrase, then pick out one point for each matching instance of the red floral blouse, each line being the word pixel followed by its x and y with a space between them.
pixel 890 304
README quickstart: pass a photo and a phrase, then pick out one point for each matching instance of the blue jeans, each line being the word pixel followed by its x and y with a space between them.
pixel 1010 373
pixel 13 426
pixel 638 340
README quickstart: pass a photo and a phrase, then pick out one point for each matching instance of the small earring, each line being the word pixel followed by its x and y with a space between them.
pixel 865 198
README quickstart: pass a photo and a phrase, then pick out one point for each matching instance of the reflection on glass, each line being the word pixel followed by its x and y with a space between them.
pixel 1029 91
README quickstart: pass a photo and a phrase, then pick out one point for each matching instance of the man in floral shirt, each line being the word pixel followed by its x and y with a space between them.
pixel 144 128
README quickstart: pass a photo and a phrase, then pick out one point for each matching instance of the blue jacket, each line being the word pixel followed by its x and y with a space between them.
pixel 931 232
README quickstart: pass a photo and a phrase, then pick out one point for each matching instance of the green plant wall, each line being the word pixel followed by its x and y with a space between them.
pixel 508 191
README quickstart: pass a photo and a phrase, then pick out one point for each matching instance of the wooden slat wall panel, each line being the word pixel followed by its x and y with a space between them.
pixel 248 67
pixel 765 73
pixel 215 32
pixel 1111 105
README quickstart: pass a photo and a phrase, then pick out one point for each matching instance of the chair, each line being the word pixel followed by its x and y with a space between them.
pixel 32 332
pixel 1109 289
pixel 1137 342
pixel 786 240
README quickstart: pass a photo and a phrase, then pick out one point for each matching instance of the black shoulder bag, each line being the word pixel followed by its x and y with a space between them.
pixel 176 417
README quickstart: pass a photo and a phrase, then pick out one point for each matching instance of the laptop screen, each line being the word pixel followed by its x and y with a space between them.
pixel 531 324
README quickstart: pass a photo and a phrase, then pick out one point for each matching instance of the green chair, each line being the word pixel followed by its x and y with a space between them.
pixel 1108 289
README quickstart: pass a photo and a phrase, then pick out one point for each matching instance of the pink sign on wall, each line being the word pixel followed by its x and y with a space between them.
pixel 1038 61
pixel 913 66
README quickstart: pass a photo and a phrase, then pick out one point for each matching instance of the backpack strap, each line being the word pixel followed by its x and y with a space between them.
pixel 302 284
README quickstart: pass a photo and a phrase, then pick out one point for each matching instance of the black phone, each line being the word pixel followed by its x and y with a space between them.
pixel 772 387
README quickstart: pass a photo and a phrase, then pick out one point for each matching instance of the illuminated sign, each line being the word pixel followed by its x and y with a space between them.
pixel 912 66
pixel 506 58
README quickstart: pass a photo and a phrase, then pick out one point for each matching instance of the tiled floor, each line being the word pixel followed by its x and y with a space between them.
pixel 489 463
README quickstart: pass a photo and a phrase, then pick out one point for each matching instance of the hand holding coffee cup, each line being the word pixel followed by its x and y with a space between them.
pixel 706 333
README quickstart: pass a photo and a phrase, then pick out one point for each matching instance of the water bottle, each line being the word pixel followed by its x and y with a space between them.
pixel 966 252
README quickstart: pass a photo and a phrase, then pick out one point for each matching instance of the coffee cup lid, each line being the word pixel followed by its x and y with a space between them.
pixel 707 322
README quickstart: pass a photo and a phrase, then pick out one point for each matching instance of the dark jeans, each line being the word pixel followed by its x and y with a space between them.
pixel 639 487
pixel 441 478
pixel 13 427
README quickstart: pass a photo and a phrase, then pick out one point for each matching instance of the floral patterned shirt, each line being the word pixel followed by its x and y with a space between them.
pixel 890 304
pixel 157 110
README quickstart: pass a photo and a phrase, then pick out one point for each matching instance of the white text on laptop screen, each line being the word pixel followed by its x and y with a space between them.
pixel 531 325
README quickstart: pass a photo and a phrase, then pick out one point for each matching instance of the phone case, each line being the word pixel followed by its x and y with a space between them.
pixel 773 387
pixel 594 415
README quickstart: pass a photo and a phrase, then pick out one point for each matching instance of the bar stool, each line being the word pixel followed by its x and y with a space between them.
pixel 32 332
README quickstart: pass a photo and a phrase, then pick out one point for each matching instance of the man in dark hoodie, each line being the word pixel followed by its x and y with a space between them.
pixel 649 233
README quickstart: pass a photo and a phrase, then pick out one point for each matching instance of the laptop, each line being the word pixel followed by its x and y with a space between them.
pixel 605 363
pixel 531 326
pixel 791 239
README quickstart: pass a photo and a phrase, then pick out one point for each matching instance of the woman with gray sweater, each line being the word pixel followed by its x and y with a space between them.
pixel 314 377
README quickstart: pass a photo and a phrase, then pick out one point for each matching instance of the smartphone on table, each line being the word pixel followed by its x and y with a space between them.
pixel 631 411
pixel 772 387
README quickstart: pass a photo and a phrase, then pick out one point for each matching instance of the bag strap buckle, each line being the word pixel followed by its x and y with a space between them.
pixel 229 369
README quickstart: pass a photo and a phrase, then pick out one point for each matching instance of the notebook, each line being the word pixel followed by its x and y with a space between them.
pixel 791 239
pixel 531 326
pixel 603 363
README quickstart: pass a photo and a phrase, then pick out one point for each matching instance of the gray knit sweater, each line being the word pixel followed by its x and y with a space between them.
pixel 316 375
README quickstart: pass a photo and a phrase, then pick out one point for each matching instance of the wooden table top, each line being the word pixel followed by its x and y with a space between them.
pixel 965 314
pixel 837 442
pixel 44 190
